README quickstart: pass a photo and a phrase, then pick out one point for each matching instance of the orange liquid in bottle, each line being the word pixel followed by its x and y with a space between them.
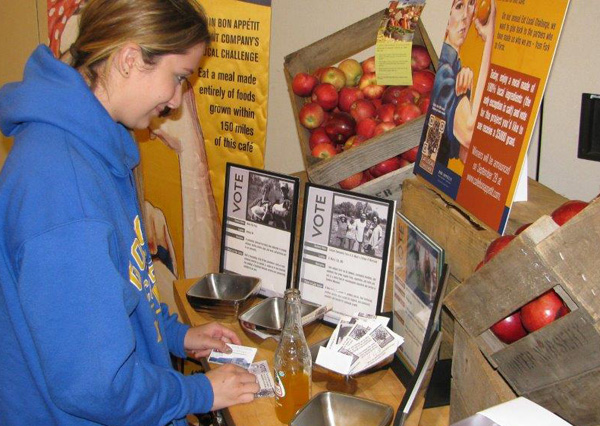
pixel 295 390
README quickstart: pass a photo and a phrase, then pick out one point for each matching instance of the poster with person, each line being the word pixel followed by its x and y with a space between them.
pixel 492 72
pixel 344 250
pixel 259 226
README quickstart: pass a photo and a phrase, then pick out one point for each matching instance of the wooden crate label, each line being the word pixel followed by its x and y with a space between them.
pixel 564 348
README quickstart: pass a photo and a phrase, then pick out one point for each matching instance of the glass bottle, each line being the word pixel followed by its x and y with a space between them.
pixel 292 363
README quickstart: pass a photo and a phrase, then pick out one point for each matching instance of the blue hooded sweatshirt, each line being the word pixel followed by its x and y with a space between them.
pixel 83 337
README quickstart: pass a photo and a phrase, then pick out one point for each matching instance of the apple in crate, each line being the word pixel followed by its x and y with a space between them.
pixel 542 311
pixel 325 95
pixel 361 109
pixel 566 211
pixel 411 154
pixel 385 112
pixel 387 166
pixel 304 83
pixel 399 94
pixel 353 181
pixel 424 103
pixel 347 96
pixel 354 141
pixel 333 76
pixel 383 127
pixel 370 88
pixel 353 71
pixel 510 329
pixel 420 58
pixel 311 115
pixel 366 127
pixel 406 112
pixel 323 150
pixel 368 65
pixel 340 126
pixel 497 246
pixel 423 81
pixel 319 135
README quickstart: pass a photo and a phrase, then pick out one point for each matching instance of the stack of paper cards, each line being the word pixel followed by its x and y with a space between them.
pixel 358 343
pixel 264 379
pixel 240 355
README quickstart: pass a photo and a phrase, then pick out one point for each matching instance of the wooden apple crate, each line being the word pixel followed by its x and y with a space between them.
pixel 329 51
pixel 462 236
pixel 558 365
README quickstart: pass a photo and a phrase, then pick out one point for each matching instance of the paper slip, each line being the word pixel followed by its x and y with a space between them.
pixel 240 355
pixel 333 360
pixel 263 377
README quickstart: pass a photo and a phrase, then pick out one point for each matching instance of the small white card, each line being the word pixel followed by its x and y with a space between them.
pixel 263 376
pixel 333 360
pixel 240 355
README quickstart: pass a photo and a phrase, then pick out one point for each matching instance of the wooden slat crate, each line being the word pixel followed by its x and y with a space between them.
pixel 558 365
pixel 329 51
pixel 475 384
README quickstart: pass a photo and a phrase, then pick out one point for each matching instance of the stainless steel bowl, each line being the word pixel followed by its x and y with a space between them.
pixel 268 315
pixel 223 294
pixel 338 409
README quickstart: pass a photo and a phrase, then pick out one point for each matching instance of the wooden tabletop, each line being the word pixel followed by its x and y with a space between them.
pixel 382 386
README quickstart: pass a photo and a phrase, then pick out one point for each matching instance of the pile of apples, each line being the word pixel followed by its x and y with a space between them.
pixel 345 107
pixel 545 308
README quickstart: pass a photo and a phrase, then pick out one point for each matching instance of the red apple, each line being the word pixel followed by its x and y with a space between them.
pixel 347 96
pixel 319 135
pixel 340 127
pixel 311 115
pixel 420 58
pixel 366 127
pixel 497 246
pixel 318 73
pixel 386 112
pixel 323 150
pixel 482 11
pixel 411 154
pixel 383 127
pixel 361 109
pixel 522 228
pixel 423 81
pixel 352 181
pixel 334 76
pixel 541 311
pixel 325 95
pixel 367 176
pixel 354 141
pixel 370 88
pixel 304 83
pixel 368 65
pixel 406 112
pixel 377 102
pixel 352 69
pixel 424 103
pixel 387 166
pixel 510 329
pixel 567 210
pixel 400 94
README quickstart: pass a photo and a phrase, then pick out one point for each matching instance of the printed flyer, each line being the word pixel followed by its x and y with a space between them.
pixel 344 251
pixel 259 226
pixel 491 77
pixel 418 265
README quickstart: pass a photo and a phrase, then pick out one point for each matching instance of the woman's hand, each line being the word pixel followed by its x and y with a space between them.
pixel 231 385
pixel 464 81
pixel 200 341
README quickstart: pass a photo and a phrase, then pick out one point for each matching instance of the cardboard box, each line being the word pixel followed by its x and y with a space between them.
pixel 329 51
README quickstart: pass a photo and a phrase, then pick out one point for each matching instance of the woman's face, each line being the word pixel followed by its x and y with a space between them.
pixel 461 15
pixel 148 90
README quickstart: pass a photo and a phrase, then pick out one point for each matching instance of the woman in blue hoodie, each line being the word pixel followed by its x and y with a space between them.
pixel 85 340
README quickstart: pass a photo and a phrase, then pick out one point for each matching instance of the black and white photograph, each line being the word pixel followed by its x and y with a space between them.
pixel 358 226
pixel 270 201
pixel 382 336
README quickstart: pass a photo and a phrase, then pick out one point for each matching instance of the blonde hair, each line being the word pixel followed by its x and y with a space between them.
pixel 159 27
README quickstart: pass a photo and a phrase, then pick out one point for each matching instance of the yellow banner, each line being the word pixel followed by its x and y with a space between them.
pixel 232 87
